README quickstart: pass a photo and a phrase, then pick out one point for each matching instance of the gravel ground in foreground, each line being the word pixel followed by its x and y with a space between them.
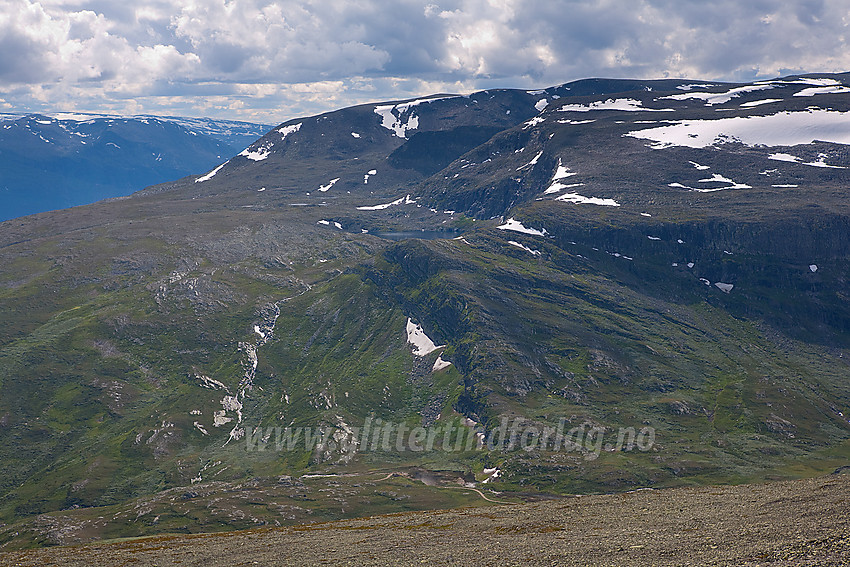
pixel 800 523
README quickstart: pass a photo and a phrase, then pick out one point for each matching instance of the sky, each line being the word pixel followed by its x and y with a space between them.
pixel 270 61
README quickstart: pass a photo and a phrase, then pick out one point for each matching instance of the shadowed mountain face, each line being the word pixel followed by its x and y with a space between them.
pixel 54 162
pixel 658 267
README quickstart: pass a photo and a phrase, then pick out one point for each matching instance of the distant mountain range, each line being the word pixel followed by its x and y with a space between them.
pixel 660 267
pixel 66 159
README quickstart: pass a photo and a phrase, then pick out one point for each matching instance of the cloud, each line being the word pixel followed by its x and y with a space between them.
pixel 272 60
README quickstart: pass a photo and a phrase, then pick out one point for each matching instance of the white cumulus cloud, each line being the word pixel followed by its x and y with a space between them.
pixel 275 59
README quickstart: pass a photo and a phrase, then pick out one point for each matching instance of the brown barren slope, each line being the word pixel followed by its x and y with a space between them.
pixel 805 522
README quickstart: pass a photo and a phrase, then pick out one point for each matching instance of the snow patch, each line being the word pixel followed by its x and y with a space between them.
pixel 396 124
pixel 532 163
pixel 813 91
pixel 695 86
pixel 403 201
pixel 814 81
pixel 539 105
pixel 79 117
pixel 533 122
pixel 330 184
pixel 562 172
pixel 724 287
pixel 422 344
pixel 784 157
pixel 516 226
pixel 753 103
pixel 821 161
pixel 258 154
pixel 623 104
pixel 557 187
pixel 355 135
pixel 493 474
pixel 393 115
pixel 717 178
pixel 211 174
pixel 780 129
pixel 287 130
pixel 524 247
pixel 440 364
pixel 813 268
pixel 582 200
pixel 719 98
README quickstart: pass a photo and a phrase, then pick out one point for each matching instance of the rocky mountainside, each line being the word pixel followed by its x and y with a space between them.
pixel 594 287
pixel 66 159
